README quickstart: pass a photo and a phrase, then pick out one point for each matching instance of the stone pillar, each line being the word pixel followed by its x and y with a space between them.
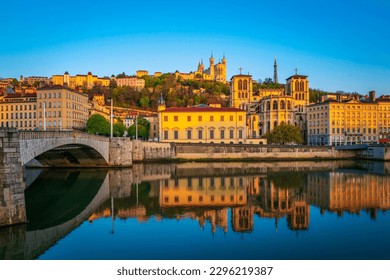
pixel 120 152
pixel 12 203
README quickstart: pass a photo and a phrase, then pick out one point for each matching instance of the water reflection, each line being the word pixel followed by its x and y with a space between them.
pixel 220 197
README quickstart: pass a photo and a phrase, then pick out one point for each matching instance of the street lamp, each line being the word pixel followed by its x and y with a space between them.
pixel 111 119
pixel 44 115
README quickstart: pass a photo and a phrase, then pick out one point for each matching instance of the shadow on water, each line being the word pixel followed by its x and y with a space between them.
pixel 58 196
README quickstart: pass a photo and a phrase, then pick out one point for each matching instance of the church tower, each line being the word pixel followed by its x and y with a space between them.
pixel 161 104
pixel 212 67
pixel 275 72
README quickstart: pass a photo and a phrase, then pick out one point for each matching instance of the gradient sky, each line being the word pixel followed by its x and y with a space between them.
pixel 340 45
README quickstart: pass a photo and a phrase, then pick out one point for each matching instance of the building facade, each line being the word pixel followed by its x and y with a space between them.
pixel 349 121
pixel 60 108
pixel 18 111
pixel 202 124
pixel 132 82
pixel 271 105
pixel 87 81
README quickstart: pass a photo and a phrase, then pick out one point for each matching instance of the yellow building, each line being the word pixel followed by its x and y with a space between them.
pixel 18 110
pixel 349 121
pixel 87 81
pixel 60 108
pixel 141 73
pixel 97 106
pixel 201 124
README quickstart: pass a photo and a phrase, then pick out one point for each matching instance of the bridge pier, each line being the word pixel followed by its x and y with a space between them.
pixel 12 203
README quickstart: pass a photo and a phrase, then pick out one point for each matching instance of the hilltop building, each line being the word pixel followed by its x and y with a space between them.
pixel 87 81
pixel 215 72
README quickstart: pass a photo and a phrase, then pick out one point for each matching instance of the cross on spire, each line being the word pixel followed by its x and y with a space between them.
pixel 296 71
pixel 240 70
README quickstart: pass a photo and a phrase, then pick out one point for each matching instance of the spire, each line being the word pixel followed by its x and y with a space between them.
pixel 275 72
pixel 212 54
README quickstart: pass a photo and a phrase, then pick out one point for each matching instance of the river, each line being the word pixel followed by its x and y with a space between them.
pixel 273 210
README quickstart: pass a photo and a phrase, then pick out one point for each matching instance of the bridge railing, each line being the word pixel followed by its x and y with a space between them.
pixel 26 135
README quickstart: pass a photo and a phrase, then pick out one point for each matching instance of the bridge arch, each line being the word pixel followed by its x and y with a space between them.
pixel 91 149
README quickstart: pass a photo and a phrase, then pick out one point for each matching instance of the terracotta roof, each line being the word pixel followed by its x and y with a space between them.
pixel 201 109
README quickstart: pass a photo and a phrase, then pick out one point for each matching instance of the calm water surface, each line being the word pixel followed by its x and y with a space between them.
pixel 295 210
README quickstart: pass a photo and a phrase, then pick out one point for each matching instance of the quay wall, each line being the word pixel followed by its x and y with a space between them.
pixel 12 204
pixel 150 151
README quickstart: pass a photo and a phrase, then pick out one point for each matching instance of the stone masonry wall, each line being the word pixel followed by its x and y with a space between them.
pixel 215 151
pixel 120 152
pixel 12 203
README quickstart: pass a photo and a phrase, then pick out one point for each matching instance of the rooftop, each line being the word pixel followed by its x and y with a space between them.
pixel 203 108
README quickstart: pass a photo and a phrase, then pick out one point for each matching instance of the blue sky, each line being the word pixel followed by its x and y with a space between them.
pixel 340 45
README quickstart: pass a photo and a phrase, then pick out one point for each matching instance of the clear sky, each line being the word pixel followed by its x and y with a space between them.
pixel 340 45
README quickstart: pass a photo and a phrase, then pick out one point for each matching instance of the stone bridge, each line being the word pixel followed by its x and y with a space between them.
pixel 55 149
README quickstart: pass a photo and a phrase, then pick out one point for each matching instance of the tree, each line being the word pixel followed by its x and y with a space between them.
pixel 144 102
pixel 284 133
pixel 143 129
pixel 97 124
pixel 118 129
pixel 15 82
pixel 142 132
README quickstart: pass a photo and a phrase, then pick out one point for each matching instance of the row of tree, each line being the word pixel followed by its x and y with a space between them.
pixel 98 125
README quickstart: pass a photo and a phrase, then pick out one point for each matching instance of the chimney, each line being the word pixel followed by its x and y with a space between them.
pixel 338 97
pixel 372 94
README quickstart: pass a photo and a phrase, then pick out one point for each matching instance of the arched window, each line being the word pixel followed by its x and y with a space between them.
pixel 302 86
pixel 296 96
pixel 296 85
pixel 268 106
pixel 299 96
pixel 246 95
pixel 275 105
pixel 282 105
pixel 288 105
pixel 303 96
pixel 239 95
pixel 245 85
pixel 239 85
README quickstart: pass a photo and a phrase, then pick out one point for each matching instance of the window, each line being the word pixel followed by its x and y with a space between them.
pixel 211 118
pixel 240 118
pixel 199 118
pixel 222 134
pixel 166 134
pixel 189 134
pixel 211 134
pixel 240 133
pixel 188 118
pixel 175 118
pixel 200 134
pixel 222 118
pixel 231 133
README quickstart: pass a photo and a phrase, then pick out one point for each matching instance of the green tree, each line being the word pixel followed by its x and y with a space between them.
pixel 142 132
pixel 284 133
pixel 118 129
pixel 143 129
pixel 144 102
pixel 97 124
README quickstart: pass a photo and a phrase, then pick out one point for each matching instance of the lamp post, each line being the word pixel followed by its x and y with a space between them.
pixel 111 119
pixel 136 127
pixel 44 115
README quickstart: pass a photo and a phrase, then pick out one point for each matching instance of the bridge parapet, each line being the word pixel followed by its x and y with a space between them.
pixel 26 135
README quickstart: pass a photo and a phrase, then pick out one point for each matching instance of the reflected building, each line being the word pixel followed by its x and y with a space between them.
pixel 348 191
pixel 278 202
pixel 203 191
